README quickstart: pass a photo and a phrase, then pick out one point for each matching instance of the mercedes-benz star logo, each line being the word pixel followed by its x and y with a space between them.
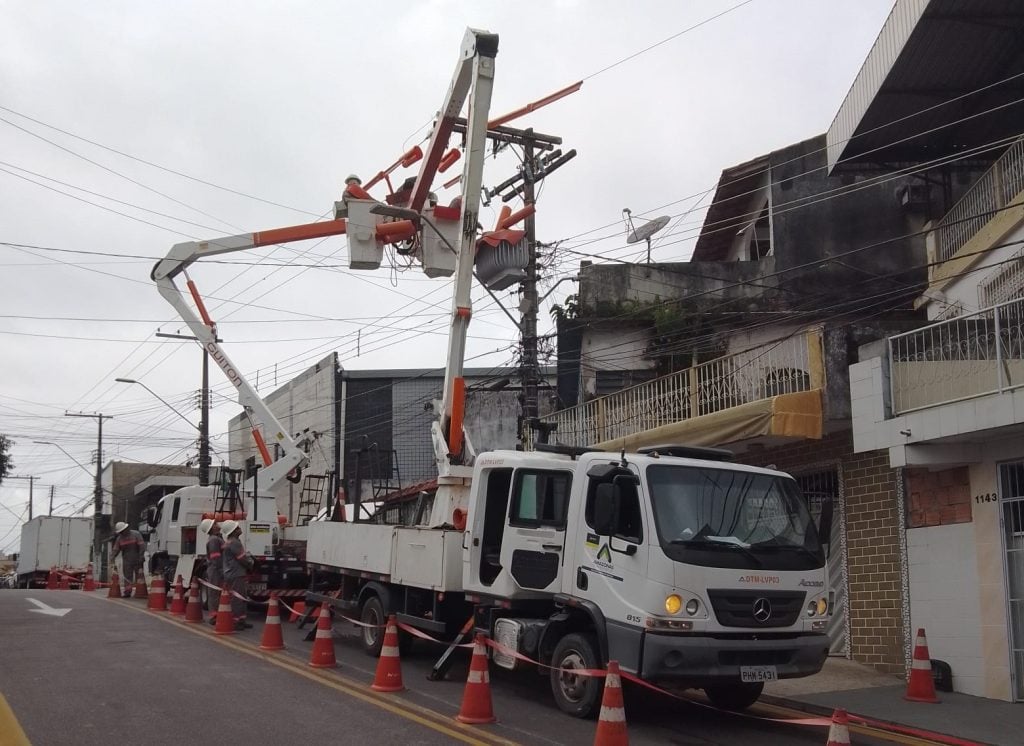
pixel 762 610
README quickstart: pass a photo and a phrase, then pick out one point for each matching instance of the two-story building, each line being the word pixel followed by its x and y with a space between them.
pixel 945 401
pixel 806 254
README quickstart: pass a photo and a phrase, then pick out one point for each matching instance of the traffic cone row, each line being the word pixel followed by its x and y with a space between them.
pixel 194 609
pixel 63 584
pixel 388 677
pixel 839 731
pixel 272 638
pixel 322 654
pixel 921 685
pixel 51 579
pixel 178 599
pixel 158 597
pixel 225 621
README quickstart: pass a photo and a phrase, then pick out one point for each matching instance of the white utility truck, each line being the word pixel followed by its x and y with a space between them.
pixel 52 541
pixel 674 562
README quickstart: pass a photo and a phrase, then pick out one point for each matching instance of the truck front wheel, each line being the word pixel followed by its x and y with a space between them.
pixel 372 638
pixel 575 694
pixel 735 696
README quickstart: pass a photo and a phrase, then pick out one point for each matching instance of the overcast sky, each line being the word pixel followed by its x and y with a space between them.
pixel 280 101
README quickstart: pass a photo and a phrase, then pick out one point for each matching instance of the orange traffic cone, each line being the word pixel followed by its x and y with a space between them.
pixel 63 584
pixel 51 579
pixel 115 585
pixel 476 699
pixel 297 610
pixel 272 638
pixel 322 655
pixel 193 609
pixel 389 667
pixel 225 621
pixel 921 685
pixel 158 598
pixel 140 586
pixel 89 584
pixel 839 731
pixel 178 598
pixel 611 725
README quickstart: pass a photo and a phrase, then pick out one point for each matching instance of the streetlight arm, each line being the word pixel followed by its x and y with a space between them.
pixel 165 402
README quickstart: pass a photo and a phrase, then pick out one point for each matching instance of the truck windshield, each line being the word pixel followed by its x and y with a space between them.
pixel 725 518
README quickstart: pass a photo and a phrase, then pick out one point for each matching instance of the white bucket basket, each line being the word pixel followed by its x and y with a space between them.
pixel 438 260
pixel 364 252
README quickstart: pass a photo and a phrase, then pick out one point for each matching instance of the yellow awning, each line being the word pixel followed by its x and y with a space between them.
pixel 787 415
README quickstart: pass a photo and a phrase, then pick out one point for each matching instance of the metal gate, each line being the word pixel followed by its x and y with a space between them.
pixel 1011 495
pixel 816 487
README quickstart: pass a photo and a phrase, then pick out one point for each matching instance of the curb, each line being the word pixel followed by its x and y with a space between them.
pixel 826 711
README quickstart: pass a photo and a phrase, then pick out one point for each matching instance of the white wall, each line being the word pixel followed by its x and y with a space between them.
pixel 944 600
pixel 964 290
pixel 616 348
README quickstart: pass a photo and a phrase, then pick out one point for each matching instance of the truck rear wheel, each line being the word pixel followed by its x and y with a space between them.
pixel 372 638
pixel 576 695
pixel 735 696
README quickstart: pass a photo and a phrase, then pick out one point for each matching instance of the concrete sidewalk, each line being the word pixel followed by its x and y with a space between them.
pixel 863 691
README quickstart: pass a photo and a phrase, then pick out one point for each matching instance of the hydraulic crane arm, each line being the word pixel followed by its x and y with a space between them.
pixel 261 419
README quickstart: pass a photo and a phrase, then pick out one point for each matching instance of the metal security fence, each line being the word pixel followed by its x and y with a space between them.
pixel 995 189
pixel 961 358
pixel 786 366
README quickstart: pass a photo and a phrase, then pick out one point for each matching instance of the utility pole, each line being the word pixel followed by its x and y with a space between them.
pixel 535 167
pixel 51 500
pixel 529 370
pixel 204 409
pixel 31 482
pixel 100 523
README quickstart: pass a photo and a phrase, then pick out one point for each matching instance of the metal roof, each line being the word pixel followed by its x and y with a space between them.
pixel 933 53
pixel 729 210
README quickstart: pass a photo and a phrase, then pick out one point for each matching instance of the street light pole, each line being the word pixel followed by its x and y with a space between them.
pixel 204 408
pixel 100 525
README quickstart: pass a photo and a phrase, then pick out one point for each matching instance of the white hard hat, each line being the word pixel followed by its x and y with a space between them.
pixel 228 527
pixel 352 177
pixel 205 525
pixel 120 526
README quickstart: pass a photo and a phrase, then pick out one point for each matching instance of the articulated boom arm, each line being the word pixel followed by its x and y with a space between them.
pixel 261 419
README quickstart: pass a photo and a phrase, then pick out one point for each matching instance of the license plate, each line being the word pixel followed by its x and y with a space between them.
pixel 755 674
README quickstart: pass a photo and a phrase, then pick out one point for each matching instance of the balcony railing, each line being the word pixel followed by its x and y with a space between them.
pixel 962 358
pixel 994 190
pixel 786 366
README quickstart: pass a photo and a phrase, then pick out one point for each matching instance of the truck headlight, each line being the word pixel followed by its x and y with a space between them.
pixel 673 603
pixel 692 607
pixel 822 606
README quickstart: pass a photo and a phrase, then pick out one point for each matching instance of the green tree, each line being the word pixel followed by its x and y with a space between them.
pixel 6 464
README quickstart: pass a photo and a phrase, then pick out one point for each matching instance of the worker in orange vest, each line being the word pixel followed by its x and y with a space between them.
pixel 214 563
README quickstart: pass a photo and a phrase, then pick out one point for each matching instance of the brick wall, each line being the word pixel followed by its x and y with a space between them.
pixel 938 498
pixel 874 566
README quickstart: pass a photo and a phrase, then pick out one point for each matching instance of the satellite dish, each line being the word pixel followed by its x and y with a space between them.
pixel 644 232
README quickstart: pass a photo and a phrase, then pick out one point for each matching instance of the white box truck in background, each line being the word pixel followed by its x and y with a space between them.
pixel 52 541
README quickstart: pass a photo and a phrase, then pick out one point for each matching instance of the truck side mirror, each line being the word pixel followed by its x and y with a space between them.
pixel 825 522
pixel 606 509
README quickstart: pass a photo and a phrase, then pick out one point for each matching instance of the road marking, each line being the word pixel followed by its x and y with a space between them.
pixel 48 610
pixel 11 733
pixel 410 711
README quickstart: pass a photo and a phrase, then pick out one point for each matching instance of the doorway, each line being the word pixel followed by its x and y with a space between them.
pixel 1011 498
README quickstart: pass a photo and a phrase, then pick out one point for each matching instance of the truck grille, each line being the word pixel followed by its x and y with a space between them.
pixel 743 608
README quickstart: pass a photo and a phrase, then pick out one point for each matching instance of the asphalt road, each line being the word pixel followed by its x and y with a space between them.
pixel 109 671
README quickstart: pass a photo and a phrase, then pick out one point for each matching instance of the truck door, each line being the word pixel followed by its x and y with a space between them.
pixel 611 569
pixel 535 534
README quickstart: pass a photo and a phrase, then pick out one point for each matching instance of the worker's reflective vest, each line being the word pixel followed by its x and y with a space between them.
pixel 236 562
pixel 214 550
pixel 131 544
